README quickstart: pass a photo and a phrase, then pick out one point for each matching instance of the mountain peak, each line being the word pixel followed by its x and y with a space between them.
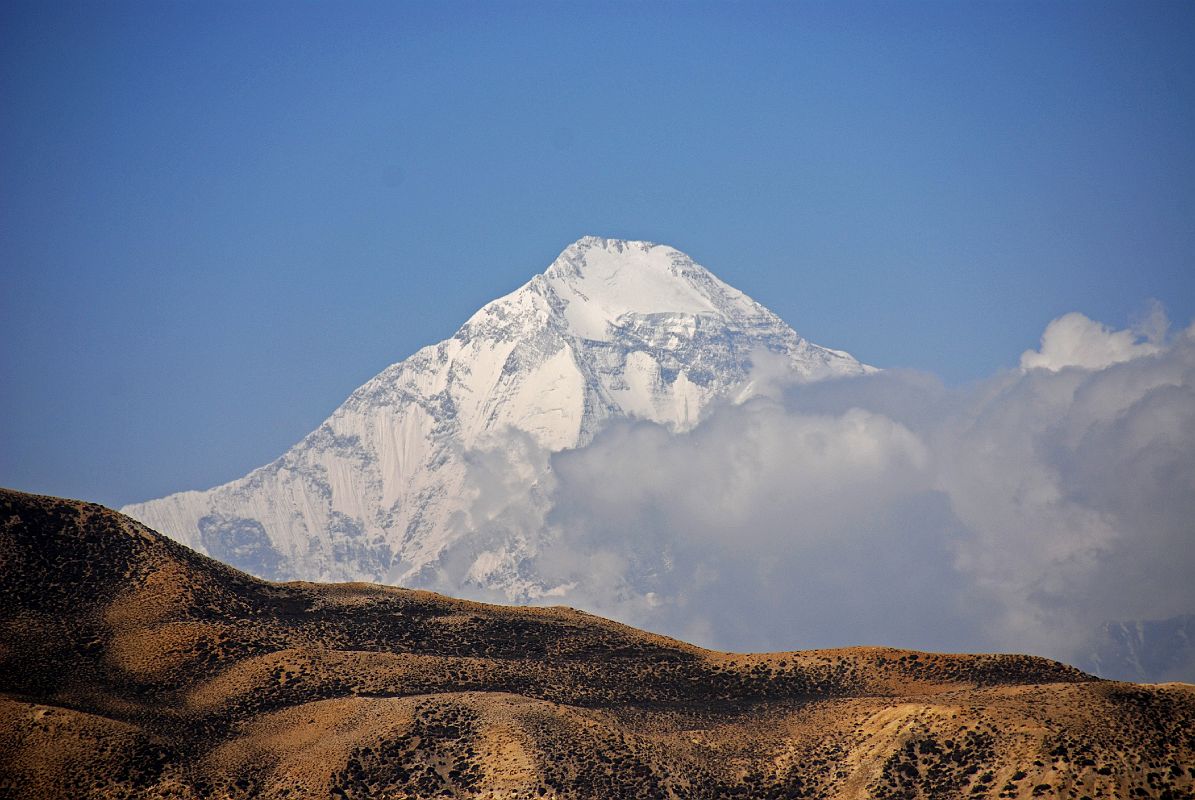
pixel 590 242
pixel 390 486
pixel 603 281
pixel 602 251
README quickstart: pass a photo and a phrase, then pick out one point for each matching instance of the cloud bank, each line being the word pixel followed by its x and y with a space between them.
pixel 1017 514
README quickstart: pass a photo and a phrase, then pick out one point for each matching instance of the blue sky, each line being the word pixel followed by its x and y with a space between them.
pixel 217 219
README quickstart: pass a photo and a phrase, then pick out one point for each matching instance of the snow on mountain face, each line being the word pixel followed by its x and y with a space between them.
pixel 599 285
pixel 384 489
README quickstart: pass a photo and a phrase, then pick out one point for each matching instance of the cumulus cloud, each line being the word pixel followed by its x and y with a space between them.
pixel 1077 491
pixel 759 527
pixel 1016 514
pixel 1074 340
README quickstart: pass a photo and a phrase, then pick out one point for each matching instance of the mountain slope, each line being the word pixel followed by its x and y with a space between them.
pixel 382 489
pixel 1159 649
pixel 132 666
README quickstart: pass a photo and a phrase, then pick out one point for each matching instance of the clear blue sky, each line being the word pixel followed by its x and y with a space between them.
pixel 218 218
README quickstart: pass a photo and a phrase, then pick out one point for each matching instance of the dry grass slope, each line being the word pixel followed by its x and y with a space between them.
pixel 133 667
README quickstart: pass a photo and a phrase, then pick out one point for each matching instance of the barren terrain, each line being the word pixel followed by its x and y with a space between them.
pixel 131 666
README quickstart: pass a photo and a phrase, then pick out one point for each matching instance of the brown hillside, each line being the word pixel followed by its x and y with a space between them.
pixel 131 666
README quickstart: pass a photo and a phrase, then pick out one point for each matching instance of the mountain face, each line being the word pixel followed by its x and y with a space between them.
pixel 131 666
pixel 384 489
pixel 1145 650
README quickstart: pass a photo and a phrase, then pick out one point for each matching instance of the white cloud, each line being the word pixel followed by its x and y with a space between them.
pixel 1073 340
pixel 1018 514
pixel 1077 489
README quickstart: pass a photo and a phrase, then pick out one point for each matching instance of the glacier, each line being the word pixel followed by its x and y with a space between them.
pixel 387 489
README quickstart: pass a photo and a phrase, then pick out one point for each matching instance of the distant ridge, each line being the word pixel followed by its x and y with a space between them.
pixel 132 666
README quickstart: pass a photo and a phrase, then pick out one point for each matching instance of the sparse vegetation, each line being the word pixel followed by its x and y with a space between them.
pixel 133 667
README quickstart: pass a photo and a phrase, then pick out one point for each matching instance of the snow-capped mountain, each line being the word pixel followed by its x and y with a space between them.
pixel 383 490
